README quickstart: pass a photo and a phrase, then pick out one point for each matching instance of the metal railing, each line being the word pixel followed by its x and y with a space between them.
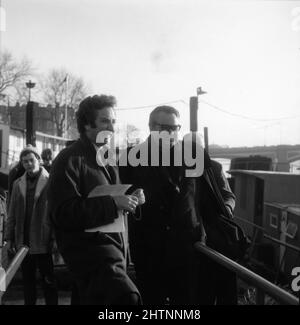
pixel 266 235
pixel 281 243
pixel 259 229
pixel 251 223
pixel 7 275
pixel 264 286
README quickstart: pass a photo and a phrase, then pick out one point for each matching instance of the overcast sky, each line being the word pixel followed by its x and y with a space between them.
pixel 245 54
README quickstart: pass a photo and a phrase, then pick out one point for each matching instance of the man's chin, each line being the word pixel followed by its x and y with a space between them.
pixel 32 172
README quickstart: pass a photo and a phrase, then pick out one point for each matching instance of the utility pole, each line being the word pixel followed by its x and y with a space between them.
pixel 194 116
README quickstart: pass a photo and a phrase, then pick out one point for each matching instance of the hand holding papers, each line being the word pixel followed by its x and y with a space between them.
pixel 117 191
pixel 126 202
pixel 139 193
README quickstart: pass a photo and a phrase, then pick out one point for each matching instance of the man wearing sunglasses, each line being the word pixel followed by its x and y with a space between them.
pixel 161 237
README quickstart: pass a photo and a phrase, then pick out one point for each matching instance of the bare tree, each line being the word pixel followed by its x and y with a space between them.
pixel 13 71
pixel 20 93
pixel 132 134
pixel 63 91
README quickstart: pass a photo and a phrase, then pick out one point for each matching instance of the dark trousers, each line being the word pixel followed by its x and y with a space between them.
pixel 171 285
pixel 75 299
pixel 199 281
pixel 162 280
pixel 45 265
pixel 217 285
pixel 90 293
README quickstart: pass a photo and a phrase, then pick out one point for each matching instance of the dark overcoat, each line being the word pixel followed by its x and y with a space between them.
pixel 161 240
pixel 74 174
pixel 208 206
pixel 169 223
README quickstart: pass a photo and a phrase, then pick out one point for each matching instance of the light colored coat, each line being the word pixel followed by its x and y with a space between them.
pixel 40 228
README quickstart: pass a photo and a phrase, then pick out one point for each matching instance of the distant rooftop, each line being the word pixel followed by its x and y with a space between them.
pixel 260 173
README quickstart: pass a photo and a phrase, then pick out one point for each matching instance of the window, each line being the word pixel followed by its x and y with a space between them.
pixel 18 144
pixel 273 220
pixel 49 126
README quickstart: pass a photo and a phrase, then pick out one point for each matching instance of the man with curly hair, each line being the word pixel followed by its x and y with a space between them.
pixel 96 259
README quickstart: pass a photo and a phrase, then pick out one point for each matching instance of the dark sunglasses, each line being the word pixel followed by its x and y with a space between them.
pixel 168 128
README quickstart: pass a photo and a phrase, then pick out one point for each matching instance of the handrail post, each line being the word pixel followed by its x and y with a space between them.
pixel 7 275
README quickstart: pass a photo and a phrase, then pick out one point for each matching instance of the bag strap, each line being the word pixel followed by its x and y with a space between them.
pixel 216 191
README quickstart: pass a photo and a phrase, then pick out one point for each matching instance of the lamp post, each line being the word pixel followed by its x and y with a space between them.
pixel 29 85
pixel 194 110
pixel 30 122
pixel 199 93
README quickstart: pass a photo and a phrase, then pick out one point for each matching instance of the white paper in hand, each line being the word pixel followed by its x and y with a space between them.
pixel 113 190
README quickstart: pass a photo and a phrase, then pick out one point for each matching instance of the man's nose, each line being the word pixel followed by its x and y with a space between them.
pixel 111 127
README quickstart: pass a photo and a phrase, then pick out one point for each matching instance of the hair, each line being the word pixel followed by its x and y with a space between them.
pixel 27 152
pixel 46 153
pixel 86 113
pixel 164 109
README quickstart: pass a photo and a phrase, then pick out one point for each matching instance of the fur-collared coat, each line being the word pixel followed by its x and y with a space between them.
pixel 41 234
